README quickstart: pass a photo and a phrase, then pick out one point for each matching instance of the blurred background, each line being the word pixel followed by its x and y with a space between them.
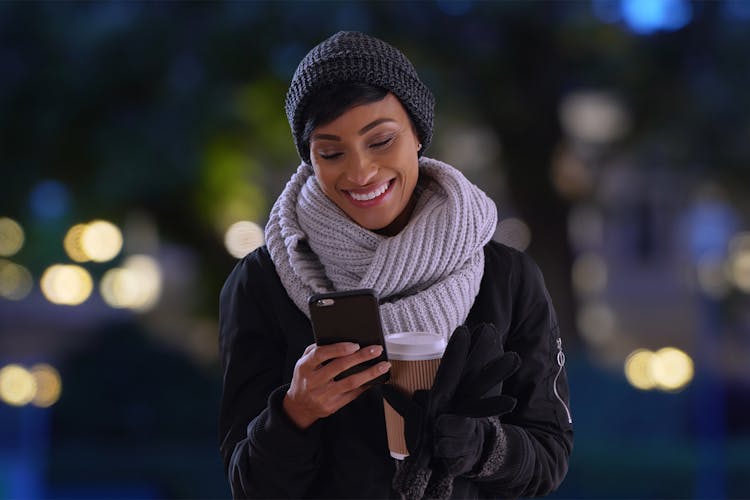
pixel 143 144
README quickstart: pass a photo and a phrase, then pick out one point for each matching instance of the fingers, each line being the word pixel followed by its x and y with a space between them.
pixel 314 393
pixel 358 379
pixel 319 354
pixel 343 363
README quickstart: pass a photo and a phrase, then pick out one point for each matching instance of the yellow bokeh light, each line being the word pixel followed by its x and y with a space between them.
pixel 668 369
pixel 638 369
pixel 66 284
pixel 739 269
pixel 589 274
pixel 17 385
pixel 73 244
pixel 672 369
pixel 11 237
pixel 119 288
pixel 48 385
pixel 15 280
pixel 101 241
pixel 242 238
pixel 136 285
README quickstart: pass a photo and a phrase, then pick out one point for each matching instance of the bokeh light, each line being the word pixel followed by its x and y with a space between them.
pixel 66 284
pixel 589 274
pixel 513 232
pixel 101 241
pixel 739 261
pixel 136 285
pixel 48 385
pixel 638 369
pixel 668 369
pixel 593 117
pixel 242 238
pixel 16 281
pixel 672 369
pixel 17 385
pixel 73 245
pixel 647 16
pixel 11 237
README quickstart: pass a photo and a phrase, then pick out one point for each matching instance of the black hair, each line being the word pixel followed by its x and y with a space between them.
pixel 333 101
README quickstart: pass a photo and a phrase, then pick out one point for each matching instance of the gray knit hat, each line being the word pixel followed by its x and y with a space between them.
pixel 349 56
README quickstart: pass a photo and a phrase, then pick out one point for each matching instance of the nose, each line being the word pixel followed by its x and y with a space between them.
pixel 361 170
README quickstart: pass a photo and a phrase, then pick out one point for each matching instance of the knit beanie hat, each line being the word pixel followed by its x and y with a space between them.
pixel 350 56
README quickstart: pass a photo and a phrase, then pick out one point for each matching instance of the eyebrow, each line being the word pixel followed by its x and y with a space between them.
pixel 362 131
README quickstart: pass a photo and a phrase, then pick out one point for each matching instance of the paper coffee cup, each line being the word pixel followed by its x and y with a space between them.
pixel 414 357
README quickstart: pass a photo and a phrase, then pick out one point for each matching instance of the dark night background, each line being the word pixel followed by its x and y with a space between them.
pixel 614 136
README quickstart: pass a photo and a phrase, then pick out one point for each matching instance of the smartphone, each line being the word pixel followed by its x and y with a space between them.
pixel 351 316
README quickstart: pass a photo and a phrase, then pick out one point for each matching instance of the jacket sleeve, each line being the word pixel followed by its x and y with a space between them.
pixel 530 447
pixel 265 454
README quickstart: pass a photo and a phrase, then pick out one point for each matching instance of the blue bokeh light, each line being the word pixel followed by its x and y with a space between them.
pixel 49 200
pixel 648 16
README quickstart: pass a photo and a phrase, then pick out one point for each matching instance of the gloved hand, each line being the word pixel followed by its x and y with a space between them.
pixel 487 367
pixel 458 443
pixel 473 366
pixel 420 412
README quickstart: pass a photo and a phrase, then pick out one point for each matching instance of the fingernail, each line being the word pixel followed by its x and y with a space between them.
pixel 384 367
pixel 352 347
pixel 376 349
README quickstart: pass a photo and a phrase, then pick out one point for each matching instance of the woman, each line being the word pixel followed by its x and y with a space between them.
pixel 365 209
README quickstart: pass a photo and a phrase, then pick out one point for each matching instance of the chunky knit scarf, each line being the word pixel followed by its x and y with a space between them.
pixel 427 276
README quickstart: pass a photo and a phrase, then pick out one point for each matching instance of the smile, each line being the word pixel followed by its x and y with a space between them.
pixel 371 195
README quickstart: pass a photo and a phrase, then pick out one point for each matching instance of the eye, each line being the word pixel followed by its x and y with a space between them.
pixel 382 143
pixel 329 156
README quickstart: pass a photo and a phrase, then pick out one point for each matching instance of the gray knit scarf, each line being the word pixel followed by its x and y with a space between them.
pixel 427 276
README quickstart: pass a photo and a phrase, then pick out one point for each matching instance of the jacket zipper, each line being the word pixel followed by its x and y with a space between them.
pixel 561 364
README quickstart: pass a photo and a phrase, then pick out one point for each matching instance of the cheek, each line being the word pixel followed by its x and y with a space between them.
pixel 325 180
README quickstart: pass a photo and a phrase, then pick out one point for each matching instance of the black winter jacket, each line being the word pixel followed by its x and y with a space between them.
pixel 263 334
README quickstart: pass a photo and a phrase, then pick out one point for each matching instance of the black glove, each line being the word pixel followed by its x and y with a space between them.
pixel 487 367
pixel 420 412
pixel 459 443
pixel 470 370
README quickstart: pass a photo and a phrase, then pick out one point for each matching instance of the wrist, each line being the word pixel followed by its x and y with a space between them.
pixel 298 416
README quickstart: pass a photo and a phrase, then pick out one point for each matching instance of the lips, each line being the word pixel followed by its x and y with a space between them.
pixel 369 196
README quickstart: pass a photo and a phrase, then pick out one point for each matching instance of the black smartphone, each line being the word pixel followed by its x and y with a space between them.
pixel 351 316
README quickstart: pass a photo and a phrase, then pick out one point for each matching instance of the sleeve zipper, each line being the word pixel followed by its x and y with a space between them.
pixel 561 364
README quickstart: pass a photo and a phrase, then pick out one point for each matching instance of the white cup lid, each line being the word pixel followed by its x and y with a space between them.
pixel 412 346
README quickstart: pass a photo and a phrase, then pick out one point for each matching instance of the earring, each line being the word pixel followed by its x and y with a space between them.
pixel 419 146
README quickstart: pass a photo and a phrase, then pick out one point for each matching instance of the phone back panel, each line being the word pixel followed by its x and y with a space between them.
pixel 346 317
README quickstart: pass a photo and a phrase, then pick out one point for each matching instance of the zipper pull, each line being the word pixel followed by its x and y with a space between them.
pixel 561 364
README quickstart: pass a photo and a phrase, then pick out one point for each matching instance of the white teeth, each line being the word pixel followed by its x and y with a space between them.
pixel 371 195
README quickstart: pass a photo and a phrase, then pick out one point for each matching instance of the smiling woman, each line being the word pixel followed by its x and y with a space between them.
pixel 366 209
pixel 367 167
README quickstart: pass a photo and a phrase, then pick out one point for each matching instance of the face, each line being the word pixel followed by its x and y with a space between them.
pixel 366 163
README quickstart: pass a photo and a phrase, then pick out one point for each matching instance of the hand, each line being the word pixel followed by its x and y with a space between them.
pixel 458 443
pixel 313 393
